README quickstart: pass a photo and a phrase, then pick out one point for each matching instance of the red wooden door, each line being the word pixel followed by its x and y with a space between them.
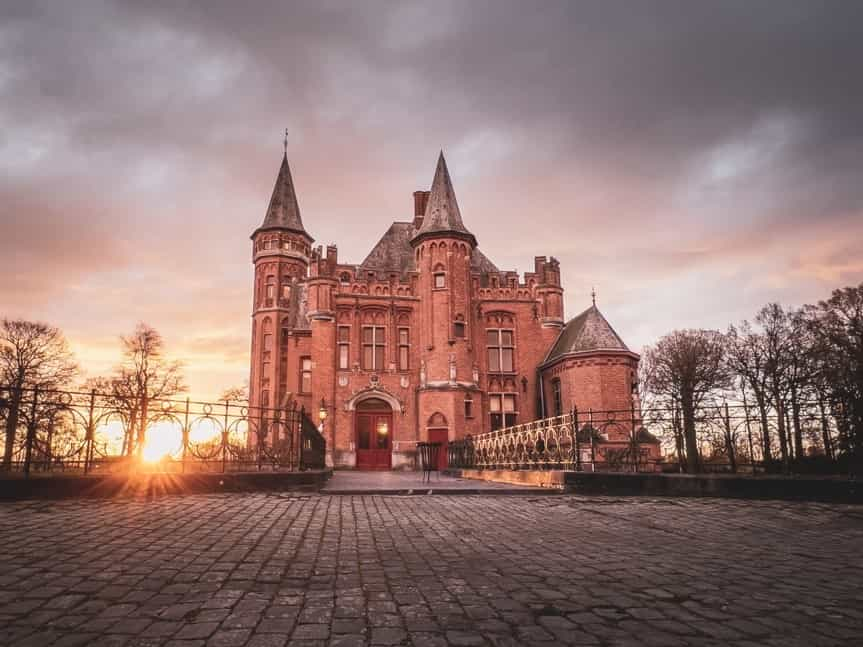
pixel 374 440
pixel 440 436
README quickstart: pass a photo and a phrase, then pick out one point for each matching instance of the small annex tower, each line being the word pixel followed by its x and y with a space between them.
pixel 281 252
pixel 443 248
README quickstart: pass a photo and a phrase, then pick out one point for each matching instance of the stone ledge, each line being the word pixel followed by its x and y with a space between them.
pixel 153 484
pixel 832 490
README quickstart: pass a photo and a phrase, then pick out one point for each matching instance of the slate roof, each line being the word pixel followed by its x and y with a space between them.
pixel 393 253
pixel 442 213
pixel 284 211
pixel 589 331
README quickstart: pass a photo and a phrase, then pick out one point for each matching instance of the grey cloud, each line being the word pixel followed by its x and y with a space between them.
pixel 658 139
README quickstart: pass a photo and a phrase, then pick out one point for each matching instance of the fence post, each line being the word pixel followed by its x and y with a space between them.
pixel 636 449
pixel 91 434
pixel 225 439
pixel 31 433
pixel 577 439
pixel 185 438
pixel 299 437
pixel 592 433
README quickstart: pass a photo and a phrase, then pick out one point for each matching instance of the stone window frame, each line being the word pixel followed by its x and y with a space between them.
pixel 508 418
pixel 305 374
pixel 404 347
pixel 375 344
pixel 500 347
pixel 343 344
pixel 557 396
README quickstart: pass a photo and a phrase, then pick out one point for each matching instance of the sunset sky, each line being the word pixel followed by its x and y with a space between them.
pixel 693 161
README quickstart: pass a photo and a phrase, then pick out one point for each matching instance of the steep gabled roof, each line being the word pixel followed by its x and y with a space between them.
pixel 393 253
pixel 442 213
pixel 589 331
pixel 284 210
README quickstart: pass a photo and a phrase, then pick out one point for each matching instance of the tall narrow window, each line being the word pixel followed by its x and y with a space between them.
pixel 557 398
pixel 468 406
pixel 501 350
pixel 404 348
pixel 305 375
pixel 271 287
pixel 344 347
pixel 268 341
pixel 458 330
pixel 373 348
pixel 502 409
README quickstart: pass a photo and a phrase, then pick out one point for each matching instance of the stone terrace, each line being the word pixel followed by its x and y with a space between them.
pixel 268 569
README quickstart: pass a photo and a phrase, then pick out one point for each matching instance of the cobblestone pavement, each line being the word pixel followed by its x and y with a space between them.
pixel 386 481
pixel 264 569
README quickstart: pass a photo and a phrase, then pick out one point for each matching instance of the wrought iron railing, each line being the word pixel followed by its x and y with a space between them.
pixel 730 438
pixel 100 432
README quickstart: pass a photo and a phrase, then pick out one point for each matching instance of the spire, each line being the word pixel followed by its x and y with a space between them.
pixel 284 211
pixel 442 213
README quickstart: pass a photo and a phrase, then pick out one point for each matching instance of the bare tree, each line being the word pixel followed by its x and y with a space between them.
pixel 33 355
pixel 837 328
pixel 239 394
pixel 747 357
pixel 685 367
pixel 145 374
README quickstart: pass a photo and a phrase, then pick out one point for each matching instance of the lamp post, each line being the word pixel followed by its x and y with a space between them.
pixel 322 412
pixel 322 416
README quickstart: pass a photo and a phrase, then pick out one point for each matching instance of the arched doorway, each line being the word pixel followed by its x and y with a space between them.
pixel 438 432
pixel 374 429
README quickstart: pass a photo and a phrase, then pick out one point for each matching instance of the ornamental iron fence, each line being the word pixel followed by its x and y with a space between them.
pixel 730 438
pixel 95 432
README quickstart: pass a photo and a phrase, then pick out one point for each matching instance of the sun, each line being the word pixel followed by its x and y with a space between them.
pixel 164 439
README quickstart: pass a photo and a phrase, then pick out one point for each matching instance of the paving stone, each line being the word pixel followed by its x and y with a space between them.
pixel 271 569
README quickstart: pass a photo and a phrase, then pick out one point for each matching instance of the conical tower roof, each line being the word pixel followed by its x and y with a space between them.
pixel 588 332
pixel 284 211
pixel 442 214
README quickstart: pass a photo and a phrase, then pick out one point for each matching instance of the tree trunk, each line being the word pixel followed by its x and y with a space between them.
pixel 729 441
pixel 825 430
pixel 767 453
pixel 798 427
pixel 693 465
pixel 11 426
pixel 678 441
pixel 783 439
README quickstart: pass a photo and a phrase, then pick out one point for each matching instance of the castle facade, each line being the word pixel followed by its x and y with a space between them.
pixel 424 340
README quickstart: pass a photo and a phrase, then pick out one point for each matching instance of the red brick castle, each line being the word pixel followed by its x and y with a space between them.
pixel 426 339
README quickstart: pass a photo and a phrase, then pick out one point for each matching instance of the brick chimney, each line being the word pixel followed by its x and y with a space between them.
pixel 421 198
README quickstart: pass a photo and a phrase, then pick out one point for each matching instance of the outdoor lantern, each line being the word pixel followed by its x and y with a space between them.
pixel 322 412
pixel 382 428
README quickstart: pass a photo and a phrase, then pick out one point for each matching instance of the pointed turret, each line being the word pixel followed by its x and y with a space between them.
pixel 284 211
pixel 442 215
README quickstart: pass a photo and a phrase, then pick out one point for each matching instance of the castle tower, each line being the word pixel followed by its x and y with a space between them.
pixel 281 250
pixel 443 247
